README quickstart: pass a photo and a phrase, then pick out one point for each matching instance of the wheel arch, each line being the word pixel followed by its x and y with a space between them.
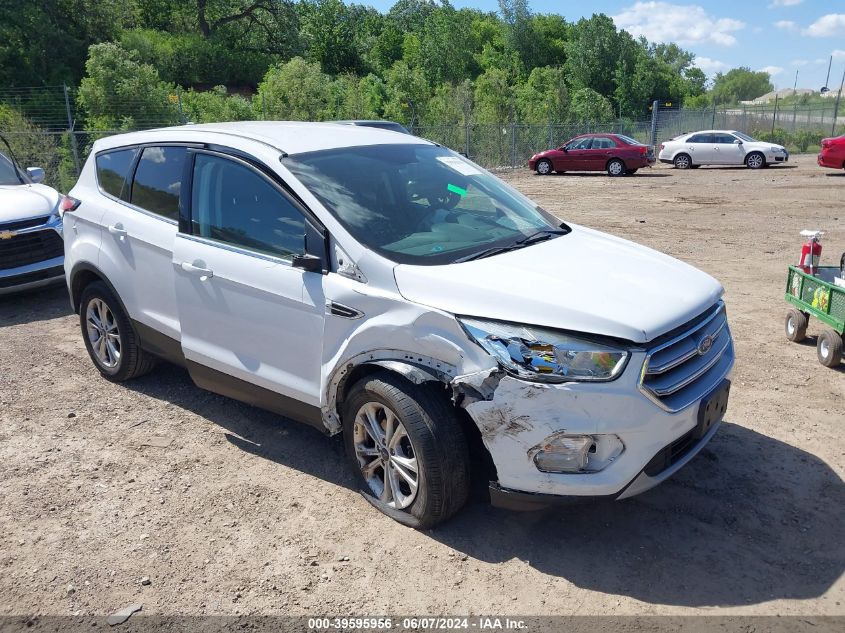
pixel 613 158
pixel 84 274
pixel 418 370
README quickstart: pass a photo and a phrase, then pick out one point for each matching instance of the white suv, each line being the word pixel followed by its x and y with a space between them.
pixel 381 286
pixel 720 147
pixel 31 246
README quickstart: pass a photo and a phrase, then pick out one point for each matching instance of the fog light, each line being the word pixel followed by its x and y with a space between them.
pixel 561 453
pixel 564 454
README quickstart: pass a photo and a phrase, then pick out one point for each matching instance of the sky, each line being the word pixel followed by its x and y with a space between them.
pixel 779 36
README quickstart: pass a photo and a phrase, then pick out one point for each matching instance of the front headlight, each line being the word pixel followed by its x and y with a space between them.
pixel 778 150
pixel 544 355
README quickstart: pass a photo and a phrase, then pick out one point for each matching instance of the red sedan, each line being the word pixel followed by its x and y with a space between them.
pixel 616 154
pixel 833 153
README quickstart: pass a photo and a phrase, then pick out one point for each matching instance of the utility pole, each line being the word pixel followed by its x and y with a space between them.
pixel 70 126
pixel 836 105
pixel 775 114
pixel 826 81
pixel 795 100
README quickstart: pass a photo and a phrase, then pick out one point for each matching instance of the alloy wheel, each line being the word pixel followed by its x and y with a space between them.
pixel 386 455
pixel 103 333
pixel 755 161
pixel 615 168
pixel 544 168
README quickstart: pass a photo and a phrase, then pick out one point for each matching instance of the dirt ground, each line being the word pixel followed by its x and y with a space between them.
pixel 226 509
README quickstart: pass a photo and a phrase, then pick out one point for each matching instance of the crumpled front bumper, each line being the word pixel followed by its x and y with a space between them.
pixel 520 415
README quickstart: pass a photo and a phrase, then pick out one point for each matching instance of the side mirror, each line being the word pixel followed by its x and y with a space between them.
pixel 308 263
pixel 36 174
pixel 564 149
pixel 738 141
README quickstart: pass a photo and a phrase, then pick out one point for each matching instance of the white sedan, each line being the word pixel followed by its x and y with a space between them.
pixel 720 147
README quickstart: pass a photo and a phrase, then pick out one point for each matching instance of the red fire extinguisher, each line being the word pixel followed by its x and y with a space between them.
pixel 811 252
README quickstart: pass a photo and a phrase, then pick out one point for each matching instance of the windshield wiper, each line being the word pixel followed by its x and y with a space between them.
pixel 528 240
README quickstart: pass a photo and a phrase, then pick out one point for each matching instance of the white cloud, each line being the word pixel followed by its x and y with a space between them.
pixel 786 25
pixel 829 25
pixel 772 70
pixel 710 66
pixel 665 22
pixel 795 63
pixel 784 3
pixel 838 54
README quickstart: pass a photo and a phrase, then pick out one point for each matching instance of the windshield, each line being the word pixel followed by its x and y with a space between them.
pixel 418 204
pixel 8 175
pixel 744 137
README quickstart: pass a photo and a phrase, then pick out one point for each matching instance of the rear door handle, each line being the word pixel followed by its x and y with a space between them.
pixel 117 229
pixel 197 268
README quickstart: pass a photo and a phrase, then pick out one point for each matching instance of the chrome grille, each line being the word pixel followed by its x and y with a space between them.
pixel 681 371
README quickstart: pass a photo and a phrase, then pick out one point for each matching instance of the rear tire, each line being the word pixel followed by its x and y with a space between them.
pixel 796 326
pixel 110 339
pixel 615 167
pixel 755 160
pixel 433 441
pixel 682 161
pixel 544 167
pixel 829 348
pixel 630 172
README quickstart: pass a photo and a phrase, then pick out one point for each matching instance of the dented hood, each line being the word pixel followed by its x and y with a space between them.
pixel 585 281
pixel 20 202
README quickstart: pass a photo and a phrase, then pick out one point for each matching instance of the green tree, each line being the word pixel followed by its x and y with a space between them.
pixel 593 51
pixel 519 29
pixel 544 98
pixel 215 105
pixel 297 90
pixel 589 105
pixel 328 30
pixel 407 94
pixel 741 84
pixel 494 101
pixel 121 93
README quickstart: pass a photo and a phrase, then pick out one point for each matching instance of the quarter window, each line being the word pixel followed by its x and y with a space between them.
pixel 113 170
pixel 158 180
pixel 233 204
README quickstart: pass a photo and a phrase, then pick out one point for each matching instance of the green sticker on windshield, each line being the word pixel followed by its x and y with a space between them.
pixel 457 190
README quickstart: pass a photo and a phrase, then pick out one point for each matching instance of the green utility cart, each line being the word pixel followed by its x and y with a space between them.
pixel 821 296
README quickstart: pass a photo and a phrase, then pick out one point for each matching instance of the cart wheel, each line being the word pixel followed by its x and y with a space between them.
pixel 796 325
pixel 829 348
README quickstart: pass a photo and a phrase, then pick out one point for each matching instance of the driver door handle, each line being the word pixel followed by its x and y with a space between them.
pixel 194 269
pixel 117 229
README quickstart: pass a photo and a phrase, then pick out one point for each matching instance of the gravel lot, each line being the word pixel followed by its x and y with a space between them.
pixel 226 509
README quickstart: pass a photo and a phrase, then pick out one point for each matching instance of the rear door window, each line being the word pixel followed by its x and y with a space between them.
pixel 158 180
pixel 701 138
pixel 602 142
pixel 113 170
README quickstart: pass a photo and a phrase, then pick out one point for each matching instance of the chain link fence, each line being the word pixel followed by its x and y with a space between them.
pixel 44 128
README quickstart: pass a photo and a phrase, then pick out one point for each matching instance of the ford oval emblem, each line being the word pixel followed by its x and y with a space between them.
pixel 705 345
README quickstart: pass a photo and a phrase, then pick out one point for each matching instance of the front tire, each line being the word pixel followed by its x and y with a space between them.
pixel 109 337
pixel 829 348
pixel 795 326
pixel 407 448
pixel 544 167
pixel 682 161
pixel 615 168
pixel 755 160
